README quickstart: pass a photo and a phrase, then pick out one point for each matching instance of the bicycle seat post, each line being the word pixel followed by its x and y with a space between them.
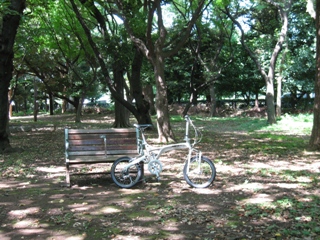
pixel 141 128
pixel 186 137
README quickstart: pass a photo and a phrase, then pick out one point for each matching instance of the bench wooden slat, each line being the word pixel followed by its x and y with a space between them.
pixel 95 159
pixel 99 136
pixel 101 148
pixel 89 146
pixel 109 130
pixel 99 153
pixel 100 142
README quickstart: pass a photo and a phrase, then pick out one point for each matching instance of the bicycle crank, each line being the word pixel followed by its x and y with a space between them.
pixel 155 167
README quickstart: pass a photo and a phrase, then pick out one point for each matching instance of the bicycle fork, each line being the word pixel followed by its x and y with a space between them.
pixel 198 160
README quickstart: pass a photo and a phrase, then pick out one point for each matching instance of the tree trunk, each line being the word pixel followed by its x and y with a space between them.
pixel 269 79
pixel 271 111
pixel 165 133
pixel 314 142
pixel 278 104
pixel 35 101
pixel 276 51
pixel 142 104
pixel 10 94
pixel 78 101
pixel 192 90
pixel 149 97
pixel 97 52
pixel 155 53
pixel 256 102
pixel 213 101
pixel 121 113
pixel 279 83
pixel 51 103
pixel 121 116
pixel 78 112
pixel 8 29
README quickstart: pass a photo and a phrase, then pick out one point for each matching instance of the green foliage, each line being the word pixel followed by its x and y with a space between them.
pixel 300 65
pixel 5 9
pixel 53 42
pixel 222 3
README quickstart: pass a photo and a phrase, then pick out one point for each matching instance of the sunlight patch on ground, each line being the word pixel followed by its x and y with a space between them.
pixel 129 191
pixel 23 184
pixel 51 169
pixel 254 186
pixel 76 238
pixel 24 202
pixel 246 186
pixel 107 210
pixel 205 207
pixel 83 207
pixel 258 198
pixel 8 184
pixel 23 212
pixel 283 165
pixel 203 190
pixel 30 231
pixel 144 219
pixel 27 223
pixel 228 169
pixel 127 237
pixel 288 185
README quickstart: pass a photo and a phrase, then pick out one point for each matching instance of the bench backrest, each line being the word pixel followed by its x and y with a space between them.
pixel 99 145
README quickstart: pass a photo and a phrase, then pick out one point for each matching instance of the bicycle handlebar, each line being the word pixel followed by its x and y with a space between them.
pixel 198 134
pixel 142 126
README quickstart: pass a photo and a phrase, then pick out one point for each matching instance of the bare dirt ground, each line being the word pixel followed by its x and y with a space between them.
pixel 256 194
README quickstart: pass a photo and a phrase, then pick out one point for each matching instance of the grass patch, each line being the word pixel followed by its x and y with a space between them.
pixel 291 124
pixel 15 168
pixel 302 215
pixel 294 124
pixel 244 150
pixel 274 143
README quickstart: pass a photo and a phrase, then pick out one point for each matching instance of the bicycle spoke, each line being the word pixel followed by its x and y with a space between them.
pixel 125 177
pixel 199 173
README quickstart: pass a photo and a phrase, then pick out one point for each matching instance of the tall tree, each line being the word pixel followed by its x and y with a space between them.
pixel 10 14
pixel 214 52
pixel 315 134
pixel 298 69
pixel 157 48
pixel 53 47
pixel 106 45
pixel 283 9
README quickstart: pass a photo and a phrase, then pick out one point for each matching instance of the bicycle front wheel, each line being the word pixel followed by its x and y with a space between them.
pixel 200 173
pixel 125 177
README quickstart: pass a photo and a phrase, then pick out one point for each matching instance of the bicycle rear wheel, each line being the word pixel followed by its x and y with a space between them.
pixel 200 173
pixel 125 178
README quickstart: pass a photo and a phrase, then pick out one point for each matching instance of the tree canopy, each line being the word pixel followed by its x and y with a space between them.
pixel 186 51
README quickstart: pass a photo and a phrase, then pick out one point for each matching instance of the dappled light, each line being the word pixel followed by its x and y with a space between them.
pixel 264 189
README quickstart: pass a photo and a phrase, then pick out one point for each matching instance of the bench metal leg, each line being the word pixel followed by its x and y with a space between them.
pixel 68 176
pixel 142 170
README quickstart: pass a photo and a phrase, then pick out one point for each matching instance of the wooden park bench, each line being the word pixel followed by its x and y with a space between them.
pixel 90 146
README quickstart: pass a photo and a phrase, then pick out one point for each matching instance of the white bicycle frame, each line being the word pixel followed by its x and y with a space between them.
pixel 150 153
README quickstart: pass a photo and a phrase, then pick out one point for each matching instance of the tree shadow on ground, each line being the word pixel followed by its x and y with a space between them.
pixel 257 194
